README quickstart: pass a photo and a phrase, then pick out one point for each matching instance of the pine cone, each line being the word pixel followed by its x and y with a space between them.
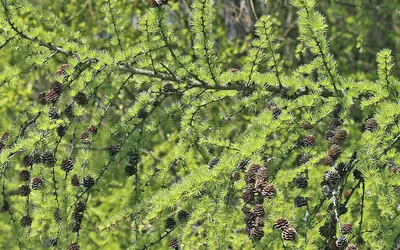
pixel 92 129
pixel 301 182
pixel 304 159
pixel 352 247
pixel 262 173
pixel 69 112
pixel 331 176
pixel 61 130
pixel 169 88
pixel 268 191
pixel 64 66
pixel 307 126
pixel 57 87
pixel 75 181
pixel 78 216
pixel 249 218
pixel 48 158
pixel 347 228
pixel 52 96
pixel 59 72
pixel 36 183
pixel 57 215
pixel 80 207
pixel 141 114
pixel 342 242
pixel 334 151
pixel 24 190
pixel 130 170
pixel 174 244
pixel 73 246
pixel 256 233
pixel 250 175
pixel 300 201
pixel 53 113
pixel 41 99
pixel 24 175
pixel 81 99
pixel 85 139
pixel 134 158
pixel 28 160
pixel 248 194
pixel 170 224
pixel 4 208
pixel 327 231
pixel 157 3
pixel 259 210
pixel 327 161
pixel 258 222
pixel 276 112
pixel 342 168
pixel 242 165
pixel 88 181
pixel 214 162
pixel 52 242
pixel 67 165
pixel 309 141
pixel 326 191
pixel 281 224
pixel 370 125
pixel 113 150
pixel 5 137
pixel 182 215
pixel 76 226
pixel 289 233
pixel 340 135
pixel 26 221
pixel 259 185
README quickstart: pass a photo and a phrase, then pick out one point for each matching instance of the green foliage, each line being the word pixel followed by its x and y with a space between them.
pixel 128 117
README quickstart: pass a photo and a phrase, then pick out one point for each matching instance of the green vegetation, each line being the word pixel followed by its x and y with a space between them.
pixel 199 124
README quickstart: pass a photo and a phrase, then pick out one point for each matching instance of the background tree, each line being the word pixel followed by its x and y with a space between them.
pixel 199 124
